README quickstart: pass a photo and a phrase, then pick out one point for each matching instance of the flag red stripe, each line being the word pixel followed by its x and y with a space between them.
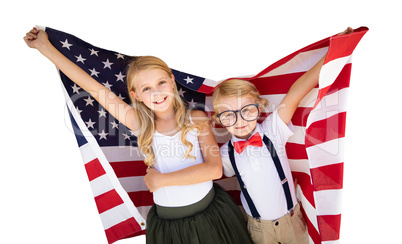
pixel 328 177
pixel 327 129
pixel 138 233
pixel 342 81
pixel 235 194
pixel 205 89
pixel 129 168
pixel 303 180
pixel 329 226
pixel 108 200
pixel 321 93
pixel 313 233
pixel 300 116
pixel 94 169
pixel 269 85
pixel 338 48
pixel 122 230
pixel 141 198
pixel 296 151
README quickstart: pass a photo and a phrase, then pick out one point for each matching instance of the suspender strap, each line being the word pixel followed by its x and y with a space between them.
pixel 278 166
pixel 250 202
pixel 279 169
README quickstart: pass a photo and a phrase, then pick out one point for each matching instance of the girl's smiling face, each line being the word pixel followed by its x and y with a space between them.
pixel 154 87
pixel 241 129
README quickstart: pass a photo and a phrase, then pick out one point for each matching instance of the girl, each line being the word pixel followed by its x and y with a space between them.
pixel 188 207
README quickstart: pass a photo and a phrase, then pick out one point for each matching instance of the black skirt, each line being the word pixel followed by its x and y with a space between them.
pixel 220 222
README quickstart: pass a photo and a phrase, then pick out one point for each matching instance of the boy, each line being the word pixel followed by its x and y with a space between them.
pixel 273 217
pixel 256 155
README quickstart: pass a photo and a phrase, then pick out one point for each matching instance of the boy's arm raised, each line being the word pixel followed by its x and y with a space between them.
pixel 298 91
pixel 117 107
pixel 301 88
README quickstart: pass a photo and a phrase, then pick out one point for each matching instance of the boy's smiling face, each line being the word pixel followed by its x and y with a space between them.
pixel 241 129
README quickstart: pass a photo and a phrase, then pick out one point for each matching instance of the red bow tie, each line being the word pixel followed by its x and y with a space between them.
pixel 255 140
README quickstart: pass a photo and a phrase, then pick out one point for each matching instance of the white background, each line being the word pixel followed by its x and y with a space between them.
pixel 45 195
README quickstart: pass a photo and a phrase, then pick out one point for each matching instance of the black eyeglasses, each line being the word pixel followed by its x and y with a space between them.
pixel 228 118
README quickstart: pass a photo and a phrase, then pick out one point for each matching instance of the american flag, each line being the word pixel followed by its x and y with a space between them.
pixel 115 166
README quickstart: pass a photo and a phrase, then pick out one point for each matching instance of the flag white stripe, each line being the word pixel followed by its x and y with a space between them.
pixel 299 165
pixel 330 242
pixel 86 153
pixel 299 62
pixel 307 102
pixel 144 209
pixel 328 202
pixel 101 185
pixel 133 184
pixel 211 83
pixel 274 101
pixel 308 208
pixel 330 105
pixel 331 70
pixel 299 136
pixel 122 153
pixel 115 216
pixel 208 104
pixel 327 153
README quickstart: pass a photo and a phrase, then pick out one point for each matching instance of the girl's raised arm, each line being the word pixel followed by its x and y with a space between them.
pixel 117 107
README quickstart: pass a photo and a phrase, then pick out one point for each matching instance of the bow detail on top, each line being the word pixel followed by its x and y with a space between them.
pixel 255 140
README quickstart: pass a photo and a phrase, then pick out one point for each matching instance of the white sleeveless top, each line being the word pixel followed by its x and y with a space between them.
pixel 169 156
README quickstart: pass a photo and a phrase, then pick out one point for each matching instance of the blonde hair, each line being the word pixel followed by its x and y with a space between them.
pixel 235 88
pixel 146 117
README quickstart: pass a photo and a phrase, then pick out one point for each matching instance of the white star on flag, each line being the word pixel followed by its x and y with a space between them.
pixel 107 64
pixel 66 44
pixel 90 124
pixel 76 88
pixel 94 72
pixel 119 55
pixel 93 52
pixel 80 59
pixel 89 101
pixel 189 80
pixel 107 85
pixel 181 92
pixel 103 135
pixel 114 125
pixel 192 103
pixel 126 136
pixel 120 77
pixel 102 113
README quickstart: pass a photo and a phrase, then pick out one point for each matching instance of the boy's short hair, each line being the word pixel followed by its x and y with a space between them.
pixel 236 88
